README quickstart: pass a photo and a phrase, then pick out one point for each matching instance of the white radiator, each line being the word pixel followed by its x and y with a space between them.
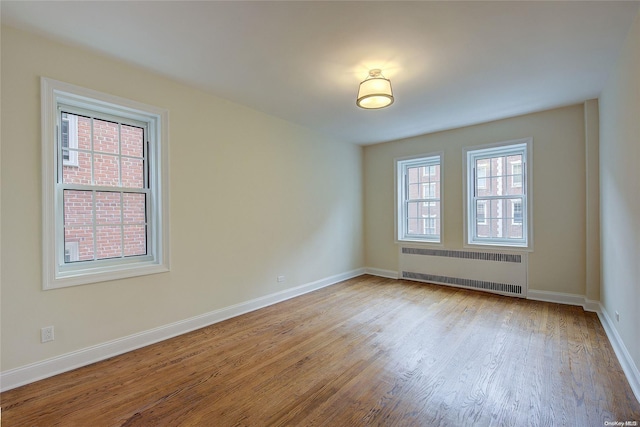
pixel 498 272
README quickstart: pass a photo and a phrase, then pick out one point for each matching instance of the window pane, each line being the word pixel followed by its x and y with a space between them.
pixel 132 141
pixel 496 186
pixel 499 218
pixel 106 137
pixel 434 210
pixel 413 209
pixel 412 226
pixel 414 191
pixel 134 208
pixel 516 174
pixel 78 208
pixel 84 133
pixel 105 170
pixel 135 240
pixel 108 208
pixel 108 242
pixel 83 237
pixel 413 175
pixel 132 173
pixel 80 174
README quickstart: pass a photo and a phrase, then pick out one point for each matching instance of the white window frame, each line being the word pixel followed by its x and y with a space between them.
pixel 57 273
pixel 401 213
pixel 523 147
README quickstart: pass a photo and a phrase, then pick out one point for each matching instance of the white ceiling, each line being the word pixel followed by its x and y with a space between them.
pixel 451 64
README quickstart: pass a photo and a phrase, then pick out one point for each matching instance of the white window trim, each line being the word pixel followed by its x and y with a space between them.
pixel 399 213
pixel 469 242
pixel 54 93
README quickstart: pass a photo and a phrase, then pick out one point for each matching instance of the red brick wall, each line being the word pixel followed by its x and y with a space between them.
pixel 106 224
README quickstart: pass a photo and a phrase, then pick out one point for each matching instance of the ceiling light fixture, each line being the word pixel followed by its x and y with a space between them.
pixel 375 91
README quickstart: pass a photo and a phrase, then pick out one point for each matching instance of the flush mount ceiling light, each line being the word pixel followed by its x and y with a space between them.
pixel 375 91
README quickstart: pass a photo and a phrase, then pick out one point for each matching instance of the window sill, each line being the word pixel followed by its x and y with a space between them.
pixel 419 242
pixel 85 277
pixel 497 247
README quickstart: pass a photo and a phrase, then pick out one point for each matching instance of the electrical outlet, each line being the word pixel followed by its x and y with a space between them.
pixel 280 279
pixel 46 334
pixel 617 316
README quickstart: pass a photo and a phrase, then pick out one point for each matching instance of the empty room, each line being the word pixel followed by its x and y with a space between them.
pixel 247 213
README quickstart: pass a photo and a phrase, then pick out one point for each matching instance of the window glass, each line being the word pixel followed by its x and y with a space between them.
pixel 497 195
pixel 418 195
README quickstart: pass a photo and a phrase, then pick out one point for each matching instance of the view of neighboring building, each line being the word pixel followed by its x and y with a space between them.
pixel 105 188
pixel 499 202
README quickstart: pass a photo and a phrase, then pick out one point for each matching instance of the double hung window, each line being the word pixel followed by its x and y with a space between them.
pixel 419 205
pixel 105 187
pixel 497 194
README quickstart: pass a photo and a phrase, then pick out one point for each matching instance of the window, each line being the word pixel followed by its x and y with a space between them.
pixel 497 196
pixel 418 199
pixel 105 187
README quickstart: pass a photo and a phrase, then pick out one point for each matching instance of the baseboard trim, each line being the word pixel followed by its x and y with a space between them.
pixel 557 297
pixel 389 274
pixel 47 368
pixel 628 366
pixel 626 362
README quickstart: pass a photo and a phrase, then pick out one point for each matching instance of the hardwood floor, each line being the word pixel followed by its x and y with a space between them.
pixel 368 351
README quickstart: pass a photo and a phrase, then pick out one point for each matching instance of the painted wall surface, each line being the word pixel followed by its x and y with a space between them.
pixel 251 197
pixel 557 262
pixel 620 193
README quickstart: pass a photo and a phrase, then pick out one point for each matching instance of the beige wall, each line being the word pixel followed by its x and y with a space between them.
pixel 620 193
pixel 557 262
pixel 252 197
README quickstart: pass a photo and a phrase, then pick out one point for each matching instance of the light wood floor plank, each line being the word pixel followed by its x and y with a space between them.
pixel 368 351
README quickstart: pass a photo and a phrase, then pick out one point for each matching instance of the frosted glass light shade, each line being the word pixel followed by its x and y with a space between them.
pixel 375 92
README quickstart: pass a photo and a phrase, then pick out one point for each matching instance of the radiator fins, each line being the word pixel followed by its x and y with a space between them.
pixel 467 283
pixel 483 256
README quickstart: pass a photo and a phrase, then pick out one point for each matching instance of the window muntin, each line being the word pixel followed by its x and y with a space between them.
pixel 105 215
pixel 418 194
pixel 497 195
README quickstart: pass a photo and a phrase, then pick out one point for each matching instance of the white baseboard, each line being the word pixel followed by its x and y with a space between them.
pixel 36 371
pixel 628 366
pixel 389 274
pixel 557 297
